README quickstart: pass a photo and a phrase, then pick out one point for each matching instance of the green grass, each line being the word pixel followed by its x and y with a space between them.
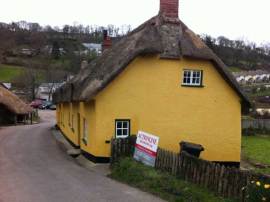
pixel 260 93
pixel 257 150
pixel 235 69
pixel 9 72
pixel 159 183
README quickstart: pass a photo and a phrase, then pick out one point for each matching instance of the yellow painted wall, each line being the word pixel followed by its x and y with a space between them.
pixel 64 120
pixel 149 93
pixel 87 111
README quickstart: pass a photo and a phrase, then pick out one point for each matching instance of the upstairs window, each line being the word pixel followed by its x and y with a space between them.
pixel 122 128
pixel 192 78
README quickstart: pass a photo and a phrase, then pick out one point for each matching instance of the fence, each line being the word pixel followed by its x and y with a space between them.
pixel 256 124
pixel 121 147
pixel 224 181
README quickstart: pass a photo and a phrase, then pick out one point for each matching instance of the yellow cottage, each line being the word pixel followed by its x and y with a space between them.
pixel 161 79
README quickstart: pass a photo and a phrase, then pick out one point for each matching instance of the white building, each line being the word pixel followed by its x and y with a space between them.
pixel 45 90
pixel 93 47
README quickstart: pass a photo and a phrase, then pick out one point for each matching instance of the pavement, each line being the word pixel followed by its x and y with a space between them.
pixel 33 168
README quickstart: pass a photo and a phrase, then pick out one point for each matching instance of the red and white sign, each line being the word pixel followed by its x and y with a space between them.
pixel 146 148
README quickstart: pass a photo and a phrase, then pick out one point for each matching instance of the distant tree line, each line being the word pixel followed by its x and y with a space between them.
pixel 35 36
pixel 15 35
pixel 52 42
pixel 239 53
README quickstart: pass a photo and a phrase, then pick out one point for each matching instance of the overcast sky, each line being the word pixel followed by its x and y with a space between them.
pixel 236 19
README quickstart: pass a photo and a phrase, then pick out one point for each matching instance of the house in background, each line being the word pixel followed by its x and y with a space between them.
pixel 12 108
pixel 45 90
pixel 250 77
pixel 96 47
pixel 162 79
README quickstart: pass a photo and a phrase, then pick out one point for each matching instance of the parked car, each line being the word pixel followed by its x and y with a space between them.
pixel 36 103
pixel 45 105
pixel 52 107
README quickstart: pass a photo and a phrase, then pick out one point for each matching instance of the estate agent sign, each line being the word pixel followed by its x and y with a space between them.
pixel 146 148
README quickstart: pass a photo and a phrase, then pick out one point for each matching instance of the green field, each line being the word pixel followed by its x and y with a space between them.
pixel 235 69
pixel 9 72
pixel 257 150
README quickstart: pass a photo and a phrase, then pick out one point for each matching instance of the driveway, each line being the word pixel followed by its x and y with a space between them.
pixel 34 169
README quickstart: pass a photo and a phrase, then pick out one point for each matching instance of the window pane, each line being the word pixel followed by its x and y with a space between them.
pixel 125 132
pixel 119 132
pixel 125 124
pixel 118 124
pixel 188 80
pixel 185 80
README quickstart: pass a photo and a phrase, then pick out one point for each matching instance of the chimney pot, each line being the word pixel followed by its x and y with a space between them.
pixel 107 42
pixel 105 34
pixel 169 8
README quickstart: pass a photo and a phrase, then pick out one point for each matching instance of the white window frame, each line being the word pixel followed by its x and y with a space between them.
pixel 85 131
pixel 191 77
pixel 122 128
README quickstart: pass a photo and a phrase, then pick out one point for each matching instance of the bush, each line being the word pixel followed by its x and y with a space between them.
pixel 258 191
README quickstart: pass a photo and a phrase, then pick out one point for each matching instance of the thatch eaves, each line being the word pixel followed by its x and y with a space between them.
pixel 13 103
pixel 170 38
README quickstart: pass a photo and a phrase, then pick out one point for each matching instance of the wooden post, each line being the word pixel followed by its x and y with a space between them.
pixel 31 117
pixel 15 119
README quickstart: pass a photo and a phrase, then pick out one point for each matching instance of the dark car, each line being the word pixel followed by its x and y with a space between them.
pixel 46 105
pixel 52 107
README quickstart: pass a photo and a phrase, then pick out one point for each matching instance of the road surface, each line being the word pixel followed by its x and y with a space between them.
pixel 34 169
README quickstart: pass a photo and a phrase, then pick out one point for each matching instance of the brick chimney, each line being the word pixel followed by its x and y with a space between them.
pixel 107 42
pixel 169 8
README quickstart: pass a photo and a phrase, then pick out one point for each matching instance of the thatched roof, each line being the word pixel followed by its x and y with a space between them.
pixel 13 102
pixel 170 38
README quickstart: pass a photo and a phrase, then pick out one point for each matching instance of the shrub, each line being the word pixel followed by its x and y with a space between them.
pixel 258 191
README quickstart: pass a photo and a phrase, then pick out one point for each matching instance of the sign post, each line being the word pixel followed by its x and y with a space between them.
pixel 146 148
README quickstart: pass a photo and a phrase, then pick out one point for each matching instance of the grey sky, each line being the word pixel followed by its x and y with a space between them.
pixel 244 19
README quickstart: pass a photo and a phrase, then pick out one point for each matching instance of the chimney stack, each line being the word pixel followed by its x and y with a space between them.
pixel 107 42
pixel 169 8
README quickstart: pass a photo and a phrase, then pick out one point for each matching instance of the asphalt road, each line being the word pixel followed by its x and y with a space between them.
pixel 34 169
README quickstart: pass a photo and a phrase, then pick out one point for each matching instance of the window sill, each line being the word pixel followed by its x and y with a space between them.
pixel 192 86
pixel 122 137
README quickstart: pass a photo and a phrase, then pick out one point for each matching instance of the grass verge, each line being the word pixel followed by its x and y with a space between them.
pixel 160 183
pixel 257 149
pixel 9 72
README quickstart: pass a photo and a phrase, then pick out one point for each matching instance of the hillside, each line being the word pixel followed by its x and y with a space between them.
pixel 23 41
pixel 9 72
pixel 239 54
